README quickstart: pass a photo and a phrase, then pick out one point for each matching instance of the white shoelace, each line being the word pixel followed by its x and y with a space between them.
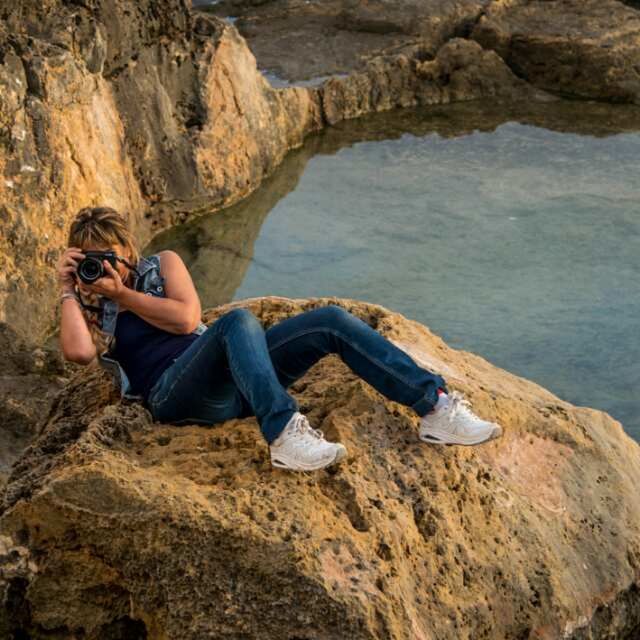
pixel 459 405
pixel 301 425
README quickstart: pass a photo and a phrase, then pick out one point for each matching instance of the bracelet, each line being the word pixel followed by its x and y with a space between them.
pixel 69 295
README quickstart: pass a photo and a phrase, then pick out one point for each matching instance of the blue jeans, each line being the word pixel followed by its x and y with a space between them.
pixel 237 369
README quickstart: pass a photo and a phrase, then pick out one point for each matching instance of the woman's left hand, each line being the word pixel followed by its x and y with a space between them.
pixel 110 285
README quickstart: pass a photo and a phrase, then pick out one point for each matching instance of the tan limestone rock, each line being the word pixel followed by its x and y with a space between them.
pixel 114 526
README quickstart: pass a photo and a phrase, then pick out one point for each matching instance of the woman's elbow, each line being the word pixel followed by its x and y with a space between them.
pixel 190 327
pixel 80 358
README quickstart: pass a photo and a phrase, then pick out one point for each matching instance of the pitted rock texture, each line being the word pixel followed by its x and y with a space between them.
pixel 30 378
pixel 116 527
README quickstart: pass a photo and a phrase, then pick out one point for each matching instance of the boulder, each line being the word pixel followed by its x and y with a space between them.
pixel 580 48
pixel 30 378
pixel 113 526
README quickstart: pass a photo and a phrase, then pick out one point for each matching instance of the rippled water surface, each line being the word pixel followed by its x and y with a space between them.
pixel 513 234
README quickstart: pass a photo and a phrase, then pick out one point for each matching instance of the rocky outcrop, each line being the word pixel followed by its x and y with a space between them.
pixel 61 146
pixel 30 377
pixel 462 70
pixel 581 48
pixel 116 527
pixel 339 36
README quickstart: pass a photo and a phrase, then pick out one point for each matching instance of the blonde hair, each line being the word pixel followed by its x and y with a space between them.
pixel 103 227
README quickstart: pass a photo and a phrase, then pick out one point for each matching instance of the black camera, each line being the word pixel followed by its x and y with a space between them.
pixel 90 268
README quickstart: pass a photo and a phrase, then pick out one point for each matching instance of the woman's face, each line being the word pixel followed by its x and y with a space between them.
pixel 123 270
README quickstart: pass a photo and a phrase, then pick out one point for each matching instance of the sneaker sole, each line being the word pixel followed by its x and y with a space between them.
pixel 443 437
pixel 281 463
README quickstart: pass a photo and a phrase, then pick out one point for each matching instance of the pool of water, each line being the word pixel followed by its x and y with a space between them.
pixel 512 232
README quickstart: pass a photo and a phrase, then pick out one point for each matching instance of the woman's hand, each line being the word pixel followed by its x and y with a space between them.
pixel 66 268
pixel 110 285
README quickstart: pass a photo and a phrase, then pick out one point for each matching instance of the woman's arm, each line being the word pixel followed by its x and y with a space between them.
pixel 76 343
pixel 179 311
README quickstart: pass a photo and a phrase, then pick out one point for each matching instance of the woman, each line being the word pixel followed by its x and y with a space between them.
pixel 235 368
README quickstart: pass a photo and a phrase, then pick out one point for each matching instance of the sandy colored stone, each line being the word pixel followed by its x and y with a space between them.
pixel 62 149
pixel 113 526
pixel 30 378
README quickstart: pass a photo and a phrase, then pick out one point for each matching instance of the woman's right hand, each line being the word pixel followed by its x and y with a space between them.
pixel 66 268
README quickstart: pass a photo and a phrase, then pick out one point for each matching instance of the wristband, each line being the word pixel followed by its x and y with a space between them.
pixel 69 295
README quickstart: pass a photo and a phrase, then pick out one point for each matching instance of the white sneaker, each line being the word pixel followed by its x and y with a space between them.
pixel 453 422
pixel 302 448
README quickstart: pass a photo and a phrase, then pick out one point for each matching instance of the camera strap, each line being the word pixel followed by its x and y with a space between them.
pixel 128 264
pixel 88 307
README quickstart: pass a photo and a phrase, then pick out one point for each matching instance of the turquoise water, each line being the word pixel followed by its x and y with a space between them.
pixel 513 234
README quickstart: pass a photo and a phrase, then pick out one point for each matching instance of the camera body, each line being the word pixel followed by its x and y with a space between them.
pixel 90 268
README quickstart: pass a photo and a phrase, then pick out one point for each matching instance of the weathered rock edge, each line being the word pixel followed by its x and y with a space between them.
pixel 587 49
pixel 579 48
pixel 113 526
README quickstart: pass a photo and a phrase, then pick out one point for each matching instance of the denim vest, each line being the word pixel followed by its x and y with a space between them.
pixel 150 282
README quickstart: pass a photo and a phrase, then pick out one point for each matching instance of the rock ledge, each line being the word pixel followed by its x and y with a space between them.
pixel 116 527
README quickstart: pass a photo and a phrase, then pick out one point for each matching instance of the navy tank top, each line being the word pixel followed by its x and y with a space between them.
pixel 145 351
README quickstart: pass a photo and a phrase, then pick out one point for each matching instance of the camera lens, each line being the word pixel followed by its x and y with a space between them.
pixel 89 270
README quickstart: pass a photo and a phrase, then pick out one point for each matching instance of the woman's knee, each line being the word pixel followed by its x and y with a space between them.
pixel 334 314
pixel 240 316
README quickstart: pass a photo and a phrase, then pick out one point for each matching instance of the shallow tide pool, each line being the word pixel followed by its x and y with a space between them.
pixel 513 233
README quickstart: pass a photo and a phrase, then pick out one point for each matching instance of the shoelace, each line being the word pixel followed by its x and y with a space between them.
pixel 301 425
pixel 459 405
